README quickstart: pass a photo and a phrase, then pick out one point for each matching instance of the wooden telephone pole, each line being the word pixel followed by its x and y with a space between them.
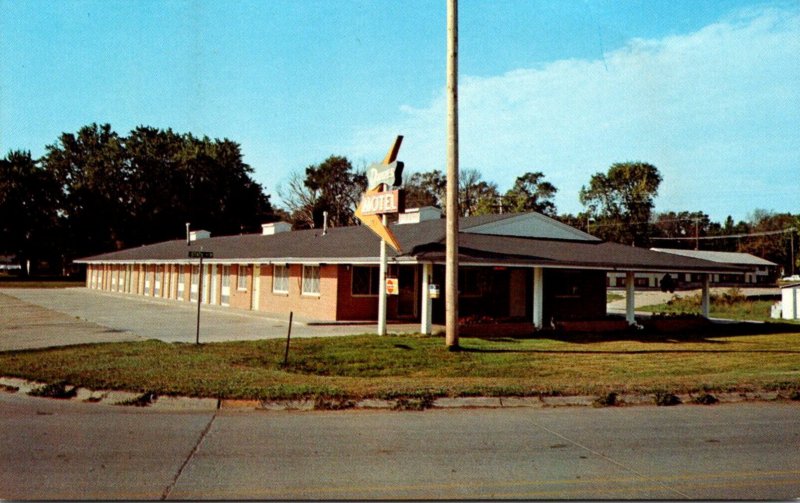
pixel 451 252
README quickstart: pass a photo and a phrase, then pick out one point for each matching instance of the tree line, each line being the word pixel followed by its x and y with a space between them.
pixel 96 191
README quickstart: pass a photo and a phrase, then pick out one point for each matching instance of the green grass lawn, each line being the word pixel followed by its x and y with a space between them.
pixel 730 305
pixel 611 297
pixel 392 366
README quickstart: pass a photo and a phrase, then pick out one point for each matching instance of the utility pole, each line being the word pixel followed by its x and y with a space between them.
pixel 451 252
pixel 382 284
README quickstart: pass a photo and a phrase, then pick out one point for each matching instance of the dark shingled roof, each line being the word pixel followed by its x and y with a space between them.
pixel 421 241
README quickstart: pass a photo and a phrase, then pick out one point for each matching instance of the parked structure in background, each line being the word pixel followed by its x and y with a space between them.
pixel 515 267
pixel 758 271
pixel 789 306
pixel 8 265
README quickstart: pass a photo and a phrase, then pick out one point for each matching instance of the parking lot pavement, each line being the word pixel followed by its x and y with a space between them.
pixel 29 326
pixel 107 317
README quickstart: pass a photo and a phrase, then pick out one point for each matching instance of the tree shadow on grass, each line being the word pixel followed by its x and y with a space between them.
pixel 710 334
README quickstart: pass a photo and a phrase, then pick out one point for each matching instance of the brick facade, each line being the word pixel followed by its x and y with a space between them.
pixel 569 294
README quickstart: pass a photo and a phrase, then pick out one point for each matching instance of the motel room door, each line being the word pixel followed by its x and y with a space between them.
pixel 408 296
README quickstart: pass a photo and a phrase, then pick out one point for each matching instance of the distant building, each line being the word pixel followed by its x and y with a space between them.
pixel 757 271
pixel 9 265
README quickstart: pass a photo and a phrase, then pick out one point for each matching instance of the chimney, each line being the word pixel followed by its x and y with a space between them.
pixel 274 228
pixel 417 215
pixel 200 234
pixel 324 223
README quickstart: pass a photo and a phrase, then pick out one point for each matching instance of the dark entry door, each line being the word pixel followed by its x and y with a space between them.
pixel 407 298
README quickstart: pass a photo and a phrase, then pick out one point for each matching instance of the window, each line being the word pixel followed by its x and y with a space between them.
pixel 280 279
pixel 468 282
pixel 365 280
pixel 241 277
pixel 310 280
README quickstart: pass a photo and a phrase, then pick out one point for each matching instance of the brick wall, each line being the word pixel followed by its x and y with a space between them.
pixel 352 307
pixel 319 307
pixel 241 298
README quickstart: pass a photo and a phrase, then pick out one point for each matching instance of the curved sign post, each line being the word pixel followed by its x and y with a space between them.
pixel 377 202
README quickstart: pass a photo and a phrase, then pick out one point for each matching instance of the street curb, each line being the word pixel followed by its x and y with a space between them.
pixel 182 403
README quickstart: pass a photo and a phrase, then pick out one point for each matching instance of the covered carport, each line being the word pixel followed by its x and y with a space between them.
pixel 587 261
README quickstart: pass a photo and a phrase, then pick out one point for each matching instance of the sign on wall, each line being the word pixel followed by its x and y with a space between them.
pixel 392 286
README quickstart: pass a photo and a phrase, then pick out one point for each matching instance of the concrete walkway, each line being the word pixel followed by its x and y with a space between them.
pixel 35 318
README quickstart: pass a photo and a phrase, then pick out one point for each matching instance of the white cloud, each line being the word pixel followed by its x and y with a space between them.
pixel 717 111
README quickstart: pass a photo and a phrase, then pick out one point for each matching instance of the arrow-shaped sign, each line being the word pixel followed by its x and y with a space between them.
pixel 374 222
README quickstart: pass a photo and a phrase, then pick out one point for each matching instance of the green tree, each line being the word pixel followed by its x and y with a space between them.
pixel 775 240
pixel 29 211
pixel 91 169
pixel 125 191
pixel 424 189
pixel 476 196
pixel 332 186
pixel 621 201
pixel 681 228
pixel 531 193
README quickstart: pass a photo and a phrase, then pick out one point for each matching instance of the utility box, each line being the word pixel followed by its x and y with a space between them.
pixel 790 302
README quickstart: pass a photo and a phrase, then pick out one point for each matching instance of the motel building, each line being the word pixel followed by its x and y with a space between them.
pixel 521 268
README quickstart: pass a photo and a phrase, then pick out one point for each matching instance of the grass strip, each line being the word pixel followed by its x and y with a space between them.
pixel 369 366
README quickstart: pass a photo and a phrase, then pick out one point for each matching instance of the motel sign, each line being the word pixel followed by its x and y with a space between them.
pixel 380 203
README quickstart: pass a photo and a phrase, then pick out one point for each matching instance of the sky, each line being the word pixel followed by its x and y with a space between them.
pixel 707 91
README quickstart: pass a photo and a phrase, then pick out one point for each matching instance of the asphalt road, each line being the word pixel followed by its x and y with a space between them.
pixel 66 450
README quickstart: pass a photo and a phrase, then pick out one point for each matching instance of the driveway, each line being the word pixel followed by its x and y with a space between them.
pixel 35 318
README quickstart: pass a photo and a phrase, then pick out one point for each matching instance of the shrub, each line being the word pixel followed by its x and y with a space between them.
pixel 55 390
pixel 322 403
pixel 706 399
pixel 609 400
pixel 665 399
pixel 145 399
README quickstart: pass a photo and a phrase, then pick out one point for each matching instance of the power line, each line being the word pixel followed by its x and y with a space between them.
pixel 730 236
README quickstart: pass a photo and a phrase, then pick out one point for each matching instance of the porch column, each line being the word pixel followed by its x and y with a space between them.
pixel 630 297
pixel 427 302
pixel 538 294
pixel 706 302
